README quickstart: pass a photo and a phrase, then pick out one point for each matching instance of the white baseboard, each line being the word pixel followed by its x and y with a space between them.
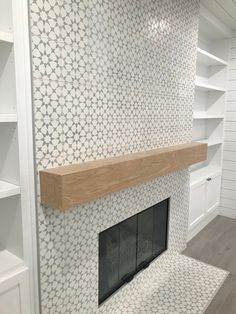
pixel 227 212
pixel 202 224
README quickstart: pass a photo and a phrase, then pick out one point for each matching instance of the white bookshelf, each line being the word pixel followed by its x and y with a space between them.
pixel 17 195
pixel 10 255
pixel 210 90
pixel 208 119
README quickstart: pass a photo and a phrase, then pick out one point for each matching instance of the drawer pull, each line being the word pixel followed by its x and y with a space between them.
pixel 209 179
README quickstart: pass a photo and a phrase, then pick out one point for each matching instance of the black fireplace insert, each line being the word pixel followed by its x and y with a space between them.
pixel 130 246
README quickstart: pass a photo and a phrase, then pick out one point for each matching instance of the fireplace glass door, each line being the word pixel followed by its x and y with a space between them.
pixel 130 246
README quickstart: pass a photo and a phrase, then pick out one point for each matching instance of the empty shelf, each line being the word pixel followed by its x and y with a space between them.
pixel 9 262
pixel 8 189
pixel 209 59
pixel 8 118
pixel 6 37
pixel 211 142
pixel 209 88
pixel 207 116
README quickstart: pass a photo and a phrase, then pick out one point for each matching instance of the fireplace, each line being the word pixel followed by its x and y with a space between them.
pixel 130 246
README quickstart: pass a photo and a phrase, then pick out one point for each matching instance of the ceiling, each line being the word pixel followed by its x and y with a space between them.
pixel 225 10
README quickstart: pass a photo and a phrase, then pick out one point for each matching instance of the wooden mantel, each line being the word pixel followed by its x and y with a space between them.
pixel 68 186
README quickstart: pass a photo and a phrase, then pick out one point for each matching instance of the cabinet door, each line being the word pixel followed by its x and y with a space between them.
pixel 213 192
pixel 197 203
pixel 10 301
pixel 14 293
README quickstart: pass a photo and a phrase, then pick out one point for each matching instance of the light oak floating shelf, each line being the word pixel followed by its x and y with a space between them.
pixel 68 186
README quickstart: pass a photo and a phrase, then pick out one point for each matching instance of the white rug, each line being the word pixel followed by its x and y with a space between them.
pixel 173 284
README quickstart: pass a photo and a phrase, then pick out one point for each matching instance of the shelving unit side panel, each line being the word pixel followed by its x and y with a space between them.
pixel 7 79
pixel 11 225
pixel 6 15
pixel 9 154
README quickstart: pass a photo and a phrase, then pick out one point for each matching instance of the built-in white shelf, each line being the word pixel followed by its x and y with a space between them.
pixel 203 116
pixel 203 173
pixel 211 142
pixel 8 117
pixel 6 37
pixel 208 118
pixel 209 59
pixel 208 87
pixel 9 262
pixel 8 189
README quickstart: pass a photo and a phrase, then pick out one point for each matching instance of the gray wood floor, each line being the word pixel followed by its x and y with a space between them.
pixel 216 245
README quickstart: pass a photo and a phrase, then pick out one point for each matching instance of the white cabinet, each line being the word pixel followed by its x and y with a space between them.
pixel 197 203
pixel 208 119
pixel 14 293
pixel 10 301
pixel 212 192
pixel 204 200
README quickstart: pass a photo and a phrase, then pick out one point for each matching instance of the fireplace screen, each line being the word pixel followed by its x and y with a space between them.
pixel 130 246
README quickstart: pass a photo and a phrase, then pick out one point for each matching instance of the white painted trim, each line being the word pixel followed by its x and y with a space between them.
pixel 227 212
pixel 26 144
pixel 203 223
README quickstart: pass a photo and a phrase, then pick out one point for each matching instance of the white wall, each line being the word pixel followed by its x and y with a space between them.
pixel 228 192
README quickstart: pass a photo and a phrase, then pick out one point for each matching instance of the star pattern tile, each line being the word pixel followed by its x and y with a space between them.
pixel 112 77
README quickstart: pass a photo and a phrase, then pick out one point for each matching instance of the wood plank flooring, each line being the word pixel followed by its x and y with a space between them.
pixel 216 245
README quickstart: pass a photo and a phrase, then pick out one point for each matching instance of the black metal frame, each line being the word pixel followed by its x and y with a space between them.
pixel 143 265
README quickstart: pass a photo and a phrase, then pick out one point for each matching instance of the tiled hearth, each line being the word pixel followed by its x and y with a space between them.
pixel 173 284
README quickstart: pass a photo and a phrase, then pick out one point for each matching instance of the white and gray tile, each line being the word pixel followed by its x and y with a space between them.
pixel 111 77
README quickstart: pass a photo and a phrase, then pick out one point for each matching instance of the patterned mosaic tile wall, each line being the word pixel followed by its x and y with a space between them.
pixel 110 77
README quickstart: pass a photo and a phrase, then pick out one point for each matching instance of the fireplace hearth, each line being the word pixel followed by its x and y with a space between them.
pixel 130 246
